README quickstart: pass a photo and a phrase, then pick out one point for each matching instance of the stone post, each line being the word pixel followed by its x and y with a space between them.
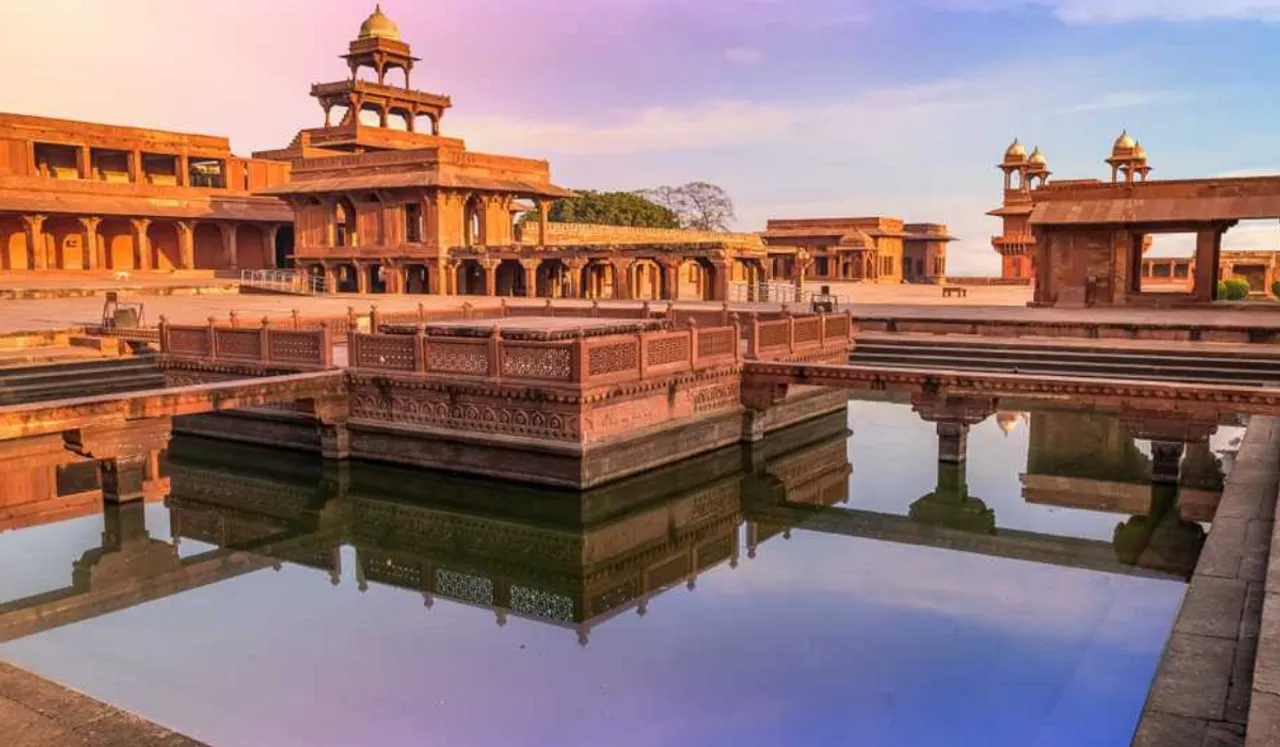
pixel 622 279
pixel 490 277
pixel 362 277
pixel 530 277
pixel 186 244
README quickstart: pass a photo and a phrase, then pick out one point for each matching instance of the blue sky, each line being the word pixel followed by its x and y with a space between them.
pixel 797 107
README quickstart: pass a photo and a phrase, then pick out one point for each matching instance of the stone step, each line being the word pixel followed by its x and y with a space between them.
pixel 25 384
pixel 1061 357
pixel 1254 354
pixel 1115 368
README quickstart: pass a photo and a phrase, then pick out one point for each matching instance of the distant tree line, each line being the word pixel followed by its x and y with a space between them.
pixel 697 205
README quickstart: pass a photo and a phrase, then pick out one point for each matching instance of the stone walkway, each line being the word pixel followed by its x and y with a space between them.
pixel 35 712
pixel 1204 692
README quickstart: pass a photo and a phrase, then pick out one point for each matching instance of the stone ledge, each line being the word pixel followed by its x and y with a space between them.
pixel 41 713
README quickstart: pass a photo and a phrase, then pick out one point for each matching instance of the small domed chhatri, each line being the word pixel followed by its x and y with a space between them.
pixel 1007 421
pixel 378 26
pixel 1037 158
pixel 1124 145
pixel 1015 152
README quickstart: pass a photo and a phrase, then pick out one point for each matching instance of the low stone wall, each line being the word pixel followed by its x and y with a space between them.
pixel 1075 329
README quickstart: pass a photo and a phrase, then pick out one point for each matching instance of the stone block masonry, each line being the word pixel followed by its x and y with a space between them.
pixel 1219 679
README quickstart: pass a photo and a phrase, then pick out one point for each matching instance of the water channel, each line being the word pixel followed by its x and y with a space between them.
pixel 833 584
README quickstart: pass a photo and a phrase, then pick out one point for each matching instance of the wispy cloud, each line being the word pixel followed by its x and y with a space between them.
pixel 1122 11
pixel 1121 100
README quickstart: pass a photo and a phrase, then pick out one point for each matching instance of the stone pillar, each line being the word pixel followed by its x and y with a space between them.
pixel 84 162
pixel 183 170
pixel 272 233
pixel 575 276
pixel 670 280
pixel 228 244
pixel 953 441
pixel 1208 244
pixel 490 276
pixel 331 418
pixel 36 248
pixel 622 278
pixel 89 224
pixel 1166 461
pixel 544 209
pixel 530 277
pixel 330 278
pixel 186 244
pixel 362 277
pixel 720 292
pixel 141 243
pixel 135 167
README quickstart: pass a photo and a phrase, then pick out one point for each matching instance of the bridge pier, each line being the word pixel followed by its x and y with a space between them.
pixel 953 441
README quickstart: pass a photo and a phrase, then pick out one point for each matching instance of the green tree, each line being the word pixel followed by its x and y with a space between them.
pixel 1233 289
pixel 610 209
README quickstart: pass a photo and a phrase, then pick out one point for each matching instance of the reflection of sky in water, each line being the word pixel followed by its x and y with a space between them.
pixel 894 457
pixel 820 640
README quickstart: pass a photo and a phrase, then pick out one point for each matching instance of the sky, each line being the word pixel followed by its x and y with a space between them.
pixel 798 108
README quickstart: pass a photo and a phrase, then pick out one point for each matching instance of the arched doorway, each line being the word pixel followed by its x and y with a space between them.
pixel 689 280
pixel 64 245
pixel 417 278
pixel 116 235
pixel 509 278
pixel 284 247
pixel 13 244
pixel 344 223
pixel 553 279
pixel 597 279
pixel 646 280
pixel 166 251
pixel 470 278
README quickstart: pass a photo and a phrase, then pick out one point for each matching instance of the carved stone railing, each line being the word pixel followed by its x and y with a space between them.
pixel 798 336
pixel 265 345
pixel 579 360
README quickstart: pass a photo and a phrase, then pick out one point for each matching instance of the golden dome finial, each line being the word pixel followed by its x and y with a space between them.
pixel 1037 157
pixel 1015 152
pixel 378 26
pixel 1124 144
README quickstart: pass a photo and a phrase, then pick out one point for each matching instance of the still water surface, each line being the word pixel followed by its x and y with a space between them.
pixel 826 589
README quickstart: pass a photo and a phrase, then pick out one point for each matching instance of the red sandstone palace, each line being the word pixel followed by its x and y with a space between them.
pixel 377 200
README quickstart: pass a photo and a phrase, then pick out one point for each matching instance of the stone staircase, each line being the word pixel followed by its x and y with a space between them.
pixel 1201 363
pixel 38 382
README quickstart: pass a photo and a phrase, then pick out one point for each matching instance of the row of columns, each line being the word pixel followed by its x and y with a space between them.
pixel 33 226
pixel 134 165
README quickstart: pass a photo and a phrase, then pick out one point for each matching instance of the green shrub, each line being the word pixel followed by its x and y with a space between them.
pixel 1275 289
pixel 1222 290
pixel 1234 289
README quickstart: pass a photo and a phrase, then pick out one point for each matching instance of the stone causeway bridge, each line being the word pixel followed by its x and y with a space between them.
pixel 571 396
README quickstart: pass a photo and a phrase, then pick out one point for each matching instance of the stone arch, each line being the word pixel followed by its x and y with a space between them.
pixel 116 235
pixel 509 278
pixel 550 278
pixel 251 247
pixel 426 124
pixel 344 222
pixel 165 246
pixel 598 280
pixel 337 115
pixel 399 119
pixel 208 246
pixel 13 244
pixel 64 243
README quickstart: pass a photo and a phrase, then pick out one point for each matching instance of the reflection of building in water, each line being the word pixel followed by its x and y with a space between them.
pixel 1083 460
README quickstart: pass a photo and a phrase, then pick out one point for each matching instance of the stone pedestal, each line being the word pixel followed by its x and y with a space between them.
pixel 125 478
